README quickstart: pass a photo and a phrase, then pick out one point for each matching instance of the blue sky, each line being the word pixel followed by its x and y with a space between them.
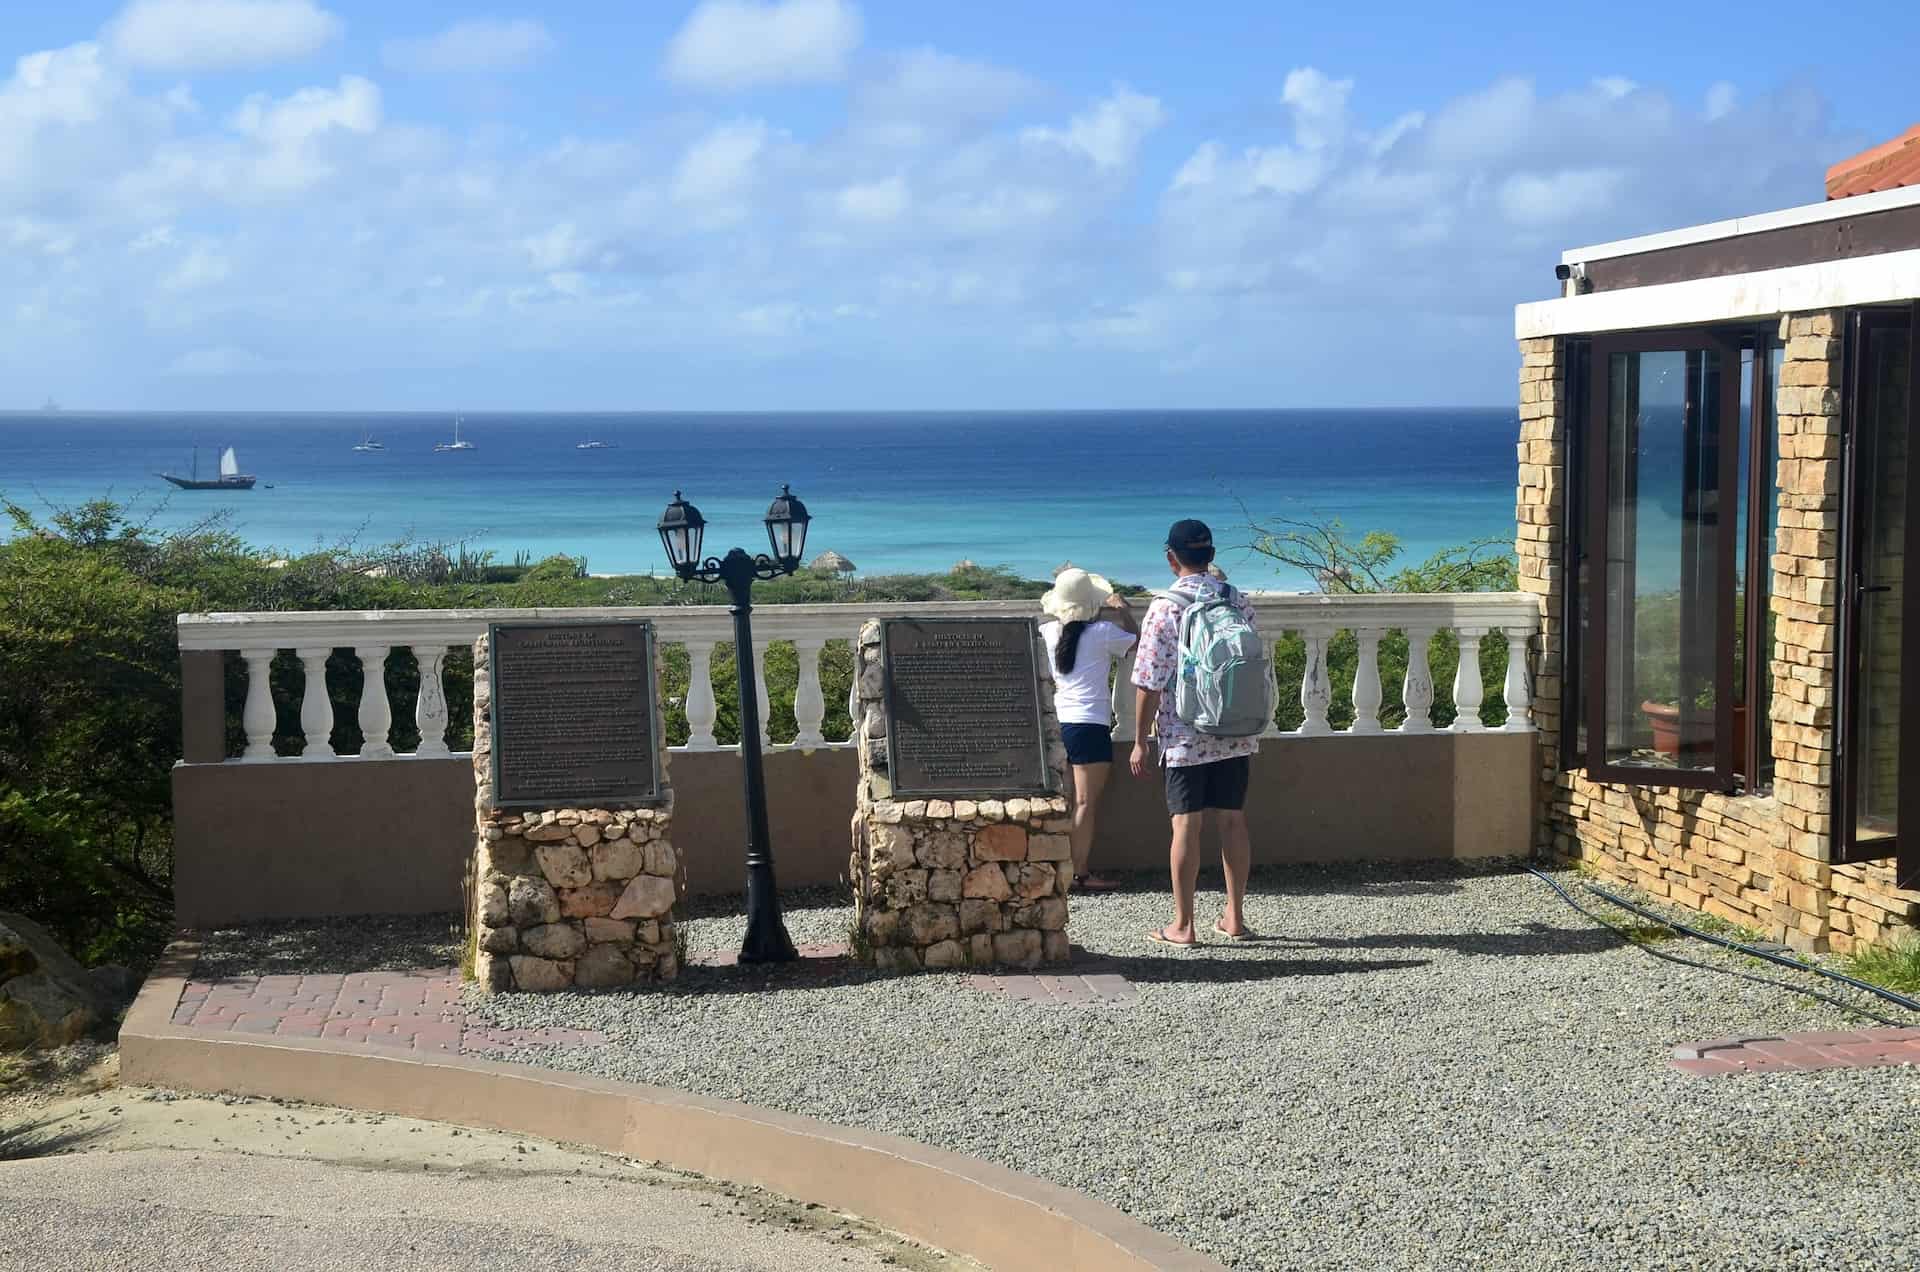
pixel 819 204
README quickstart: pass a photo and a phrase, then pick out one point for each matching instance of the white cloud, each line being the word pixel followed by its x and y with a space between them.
pixel 874 201
pixel 1722 97
pixel 477 44
pixel 924 94
pixel 213 35
pixel 354 106
pixel 1111 132
pixel 202 267
pixel 1531 198
pixel 218 360
pixel 720 166
pixel 939 228
pixel 735 44
pixel 1319 107
pixel 558 248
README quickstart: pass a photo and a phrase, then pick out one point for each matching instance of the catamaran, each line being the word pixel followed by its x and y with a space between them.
pixel 230 478
pixel 456 443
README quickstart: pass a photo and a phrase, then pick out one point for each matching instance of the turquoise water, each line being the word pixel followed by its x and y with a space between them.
pixel 894 492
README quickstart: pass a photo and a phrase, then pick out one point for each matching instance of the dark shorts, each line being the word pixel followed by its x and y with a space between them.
pixel 1088 743
pixel 1222 784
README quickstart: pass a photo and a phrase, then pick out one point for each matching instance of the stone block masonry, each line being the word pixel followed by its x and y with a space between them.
pixel 567 897
pixel 955 882
pixel 1763 862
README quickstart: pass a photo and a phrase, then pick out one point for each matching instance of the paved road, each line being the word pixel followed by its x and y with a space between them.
pixel 264 1186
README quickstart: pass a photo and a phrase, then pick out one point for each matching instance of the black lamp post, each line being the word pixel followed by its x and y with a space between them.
pixel 681 528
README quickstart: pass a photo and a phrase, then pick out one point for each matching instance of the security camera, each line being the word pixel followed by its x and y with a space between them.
pixel 1574 277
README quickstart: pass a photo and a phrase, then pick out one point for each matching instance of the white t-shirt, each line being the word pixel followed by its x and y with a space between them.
pixel 1081 696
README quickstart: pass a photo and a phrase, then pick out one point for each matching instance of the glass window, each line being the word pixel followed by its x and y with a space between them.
pixel 1668 561
pixel 1880 530
pixel 1663 575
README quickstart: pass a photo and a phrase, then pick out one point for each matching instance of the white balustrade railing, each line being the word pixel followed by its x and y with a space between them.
pixel 428 635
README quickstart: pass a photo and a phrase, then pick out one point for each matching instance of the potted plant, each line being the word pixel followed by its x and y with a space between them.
pixel 1663 715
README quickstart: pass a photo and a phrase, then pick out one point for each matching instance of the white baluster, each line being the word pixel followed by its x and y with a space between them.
pixel 257 717
pixel 1273 693
pixel 316 708
pixel 1518 692
pixel 760 686
pixel 809 707
pixel 376 713
pixel 853 694
pixel 430 708
pixel 1366 684
pixel 700 707
pixel 1123 698
pixel 1468 689
pixel 1417 690
pixel 1316 691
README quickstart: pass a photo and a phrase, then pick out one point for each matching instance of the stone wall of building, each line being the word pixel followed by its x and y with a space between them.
pixel 1762 862
pixel 567 896
pixel 955 882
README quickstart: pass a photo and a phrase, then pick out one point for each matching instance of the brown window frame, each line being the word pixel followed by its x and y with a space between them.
pixel 1856 469
pixel 1586 638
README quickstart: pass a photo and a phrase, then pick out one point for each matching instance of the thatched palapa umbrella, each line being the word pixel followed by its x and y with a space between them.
pixel 831 560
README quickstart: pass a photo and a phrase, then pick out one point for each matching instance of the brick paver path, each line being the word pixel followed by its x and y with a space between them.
pixel 1800 1052
pixel 1086 979
pixel 415 1011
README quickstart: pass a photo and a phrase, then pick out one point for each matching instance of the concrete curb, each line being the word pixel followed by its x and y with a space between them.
pixel 999 1217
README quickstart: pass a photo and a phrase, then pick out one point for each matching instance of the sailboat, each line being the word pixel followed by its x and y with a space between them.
pixel 368 444
pixel 457 443
pixel 230 478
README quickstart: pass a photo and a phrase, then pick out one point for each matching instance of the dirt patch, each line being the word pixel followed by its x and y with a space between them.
pixel 32 1080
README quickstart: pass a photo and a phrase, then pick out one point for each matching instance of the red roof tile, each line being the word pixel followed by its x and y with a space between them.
pixel 1885 167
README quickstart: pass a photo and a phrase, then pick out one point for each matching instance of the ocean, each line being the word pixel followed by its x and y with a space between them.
pixel 895 492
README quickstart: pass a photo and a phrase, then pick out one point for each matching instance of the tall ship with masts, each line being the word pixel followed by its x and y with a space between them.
pixel 230 478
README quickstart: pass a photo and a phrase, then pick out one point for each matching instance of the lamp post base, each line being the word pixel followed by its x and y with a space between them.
pixel 767 940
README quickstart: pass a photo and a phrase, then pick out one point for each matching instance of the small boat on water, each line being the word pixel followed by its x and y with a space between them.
pixel 457 444
pixel 230 478
pixel 368 444
pixel 593 444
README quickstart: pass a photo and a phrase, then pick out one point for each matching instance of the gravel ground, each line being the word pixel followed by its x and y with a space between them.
pixel 1419 1067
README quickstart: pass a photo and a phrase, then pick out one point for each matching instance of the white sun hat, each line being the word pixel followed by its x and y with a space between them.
pixel 1076 596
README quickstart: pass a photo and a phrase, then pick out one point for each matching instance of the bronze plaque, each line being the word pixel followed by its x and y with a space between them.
pixel 574 714
pixel 963 707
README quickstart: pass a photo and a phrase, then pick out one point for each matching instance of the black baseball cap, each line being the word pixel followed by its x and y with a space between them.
pixel 1190 538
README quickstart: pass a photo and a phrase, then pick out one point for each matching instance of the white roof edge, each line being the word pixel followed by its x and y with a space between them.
pixel 1807 214
pixel 1860 280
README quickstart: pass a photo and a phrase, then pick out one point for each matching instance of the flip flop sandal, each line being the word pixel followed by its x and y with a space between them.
pixel 1086 883
pixel 1247 935
pixel 1159 937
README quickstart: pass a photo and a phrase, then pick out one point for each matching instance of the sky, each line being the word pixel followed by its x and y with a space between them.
pixel 832 205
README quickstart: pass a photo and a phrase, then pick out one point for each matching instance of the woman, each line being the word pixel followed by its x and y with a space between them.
pixel 1093 627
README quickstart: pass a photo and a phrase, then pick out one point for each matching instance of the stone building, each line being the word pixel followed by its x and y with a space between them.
pixel 1714 510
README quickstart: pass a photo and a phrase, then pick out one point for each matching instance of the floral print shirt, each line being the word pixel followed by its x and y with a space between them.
pixel 1157 662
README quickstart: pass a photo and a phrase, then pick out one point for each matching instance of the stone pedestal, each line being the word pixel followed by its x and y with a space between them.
pixel 569 896
pixel 955 882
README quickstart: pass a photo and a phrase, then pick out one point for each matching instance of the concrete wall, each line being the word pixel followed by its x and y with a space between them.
pixel 289 839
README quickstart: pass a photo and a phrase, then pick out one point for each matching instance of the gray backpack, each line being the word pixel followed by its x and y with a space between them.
pixel 1221 686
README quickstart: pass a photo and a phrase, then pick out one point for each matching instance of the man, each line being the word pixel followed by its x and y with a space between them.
pixel 1204 774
